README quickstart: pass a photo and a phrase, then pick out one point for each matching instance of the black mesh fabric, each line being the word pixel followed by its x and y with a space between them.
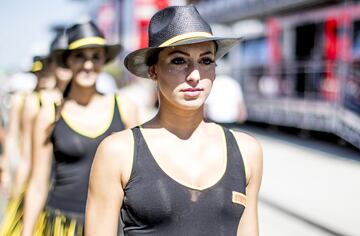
pixel 155 204
pixel 73 157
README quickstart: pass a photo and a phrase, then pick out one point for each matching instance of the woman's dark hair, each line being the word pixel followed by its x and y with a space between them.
pixel 153 57
pixel 58 109
pixel 65 57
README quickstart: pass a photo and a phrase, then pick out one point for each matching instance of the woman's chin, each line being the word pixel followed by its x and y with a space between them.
pixel 87 82
pixel 192 104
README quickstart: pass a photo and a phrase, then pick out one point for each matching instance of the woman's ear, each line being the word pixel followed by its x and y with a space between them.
pixel 152 73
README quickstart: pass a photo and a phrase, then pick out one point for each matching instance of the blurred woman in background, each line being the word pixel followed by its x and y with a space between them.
pixel 26 106
pixel 51 81
pixel 71 132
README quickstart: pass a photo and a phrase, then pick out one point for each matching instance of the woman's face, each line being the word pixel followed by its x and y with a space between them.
pixel 86 65
pixel 63 74
pixel 184 74
pixel 45 79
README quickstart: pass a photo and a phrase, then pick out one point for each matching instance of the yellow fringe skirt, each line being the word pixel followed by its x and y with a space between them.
pixel 12 221
pixel 53 222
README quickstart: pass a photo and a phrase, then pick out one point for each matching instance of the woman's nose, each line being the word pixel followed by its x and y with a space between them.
pixel 194 75
pixel 88 65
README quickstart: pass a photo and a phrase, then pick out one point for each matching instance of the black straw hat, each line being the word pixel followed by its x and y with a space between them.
pixel 60 42
pixel 39 63
pixel 174 26
pixel 86 35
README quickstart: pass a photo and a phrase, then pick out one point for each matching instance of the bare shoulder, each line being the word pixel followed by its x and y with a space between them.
pixel 17 100
pixel 50 96
pixel 117 143
pixel 115 153
pixel 31 106
pixel 31 101
pixel 247 142
pixel 251 151
pixel 45 116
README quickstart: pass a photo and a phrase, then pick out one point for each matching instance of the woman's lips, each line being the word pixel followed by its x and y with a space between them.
pixel 192 92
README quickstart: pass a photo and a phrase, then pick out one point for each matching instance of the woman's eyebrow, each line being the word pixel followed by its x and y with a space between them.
pixel 205 53
pixel 187 54
pixel 178 51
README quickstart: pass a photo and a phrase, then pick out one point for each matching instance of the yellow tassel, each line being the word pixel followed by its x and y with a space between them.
pixel 72 228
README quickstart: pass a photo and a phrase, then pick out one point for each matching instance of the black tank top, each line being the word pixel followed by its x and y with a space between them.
pixel 73 157
pixel 155 204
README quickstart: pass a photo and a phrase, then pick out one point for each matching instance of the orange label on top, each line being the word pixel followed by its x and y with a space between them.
pixel 239 198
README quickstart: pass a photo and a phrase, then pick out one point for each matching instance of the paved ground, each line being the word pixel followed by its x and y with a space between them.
pixel 309 187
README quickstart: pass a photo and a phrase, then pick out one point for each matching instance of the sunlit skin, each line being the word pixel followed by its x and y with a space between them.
pixel 184 75
pixel 46 79
pixel 63 76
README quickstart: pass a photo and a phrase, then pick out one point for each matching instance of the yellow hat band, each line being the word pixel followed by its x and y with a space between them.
pixel 86 41
pixel 37 66
pixel 186 36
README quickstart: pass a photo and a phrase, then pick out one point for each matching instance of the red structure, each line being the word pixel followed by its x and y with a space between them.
pixel 144 10
pixel 312 58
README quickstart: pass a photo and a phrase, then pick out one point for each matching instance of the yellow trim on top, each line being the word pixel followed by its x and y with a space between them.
pixel 190 185
pixel 188 36
pixel 86 41
pixel 38 98
pixel 53 112
pixel 121 109
pixel 87 133
pixel 37 66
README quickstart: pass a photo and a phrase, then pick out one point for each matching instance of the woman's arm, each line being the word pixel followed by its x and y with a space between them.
pixel 11 141
pixel 27 118
pixel 40 172
pixel 109 174
pixel 4 166
pixel 251 152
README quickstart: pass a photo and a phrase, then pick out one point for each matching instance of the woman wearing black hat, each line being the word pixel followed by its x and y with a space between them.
pixel 176 174
pixel 71 132
pixel 51 81
pixel 26 110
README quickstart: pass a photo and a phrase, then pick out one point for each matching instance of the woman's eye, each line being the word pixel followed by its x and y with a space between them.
pixel 79 56
pixel 178 61
pixel 207 61
pixel 96 57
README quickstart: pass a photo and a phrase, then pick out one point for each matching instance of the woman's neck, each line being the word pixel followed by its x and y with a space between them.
pixel 82 95
pixel 60 85
pixel 181 123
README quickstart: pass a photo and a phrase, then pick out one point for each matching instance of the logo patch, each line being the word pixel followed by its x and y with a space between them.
pixel 238 198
